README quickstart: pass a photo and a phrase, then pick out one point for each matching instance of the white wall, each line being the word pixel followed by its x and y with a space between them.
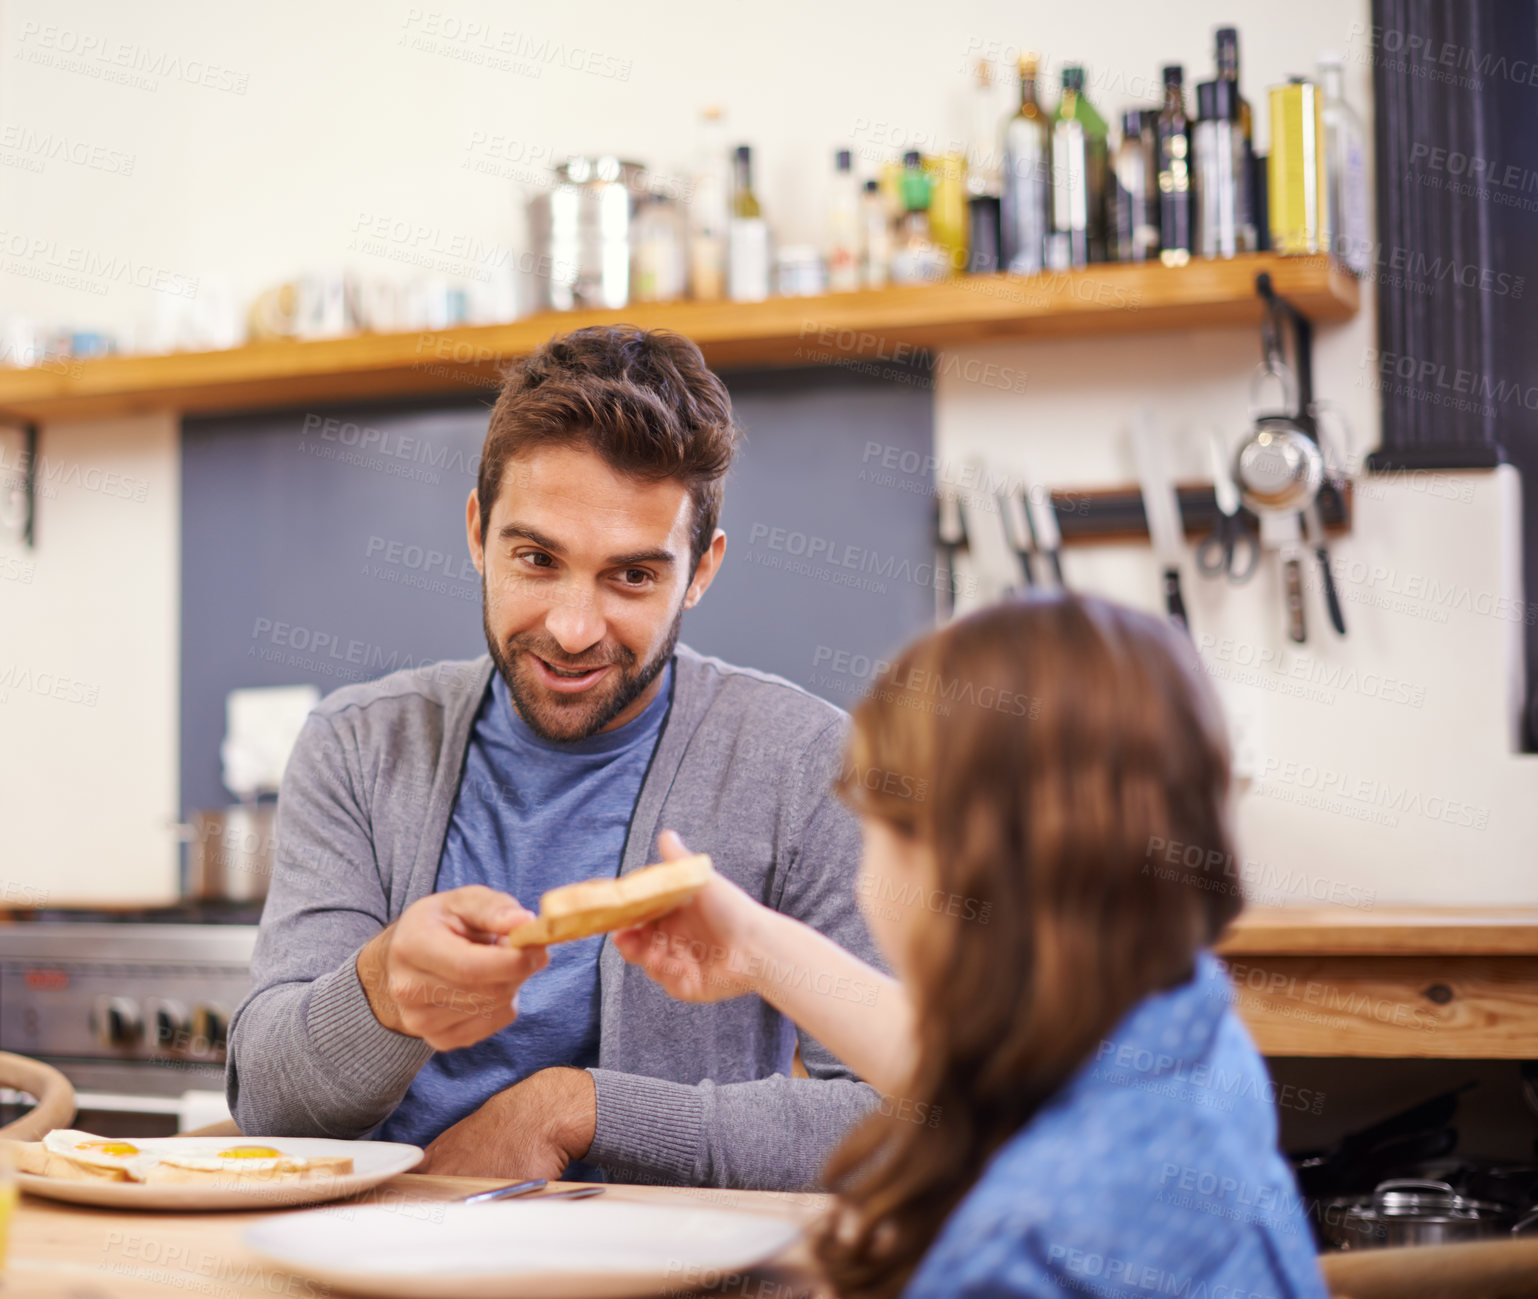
pixel 336 113
pixel 1378 768
pixel 318 119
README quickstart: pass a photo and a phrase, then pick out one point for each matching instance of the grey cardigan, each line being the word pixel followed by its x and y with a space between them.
pixel 697 1095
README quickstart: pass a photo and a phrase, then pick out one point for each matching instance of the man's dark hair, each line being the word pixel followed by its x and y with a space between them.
pixel 643 399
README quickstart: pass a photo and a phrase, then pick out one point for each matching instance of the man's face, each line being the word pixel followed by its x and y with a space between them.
pixel 584 577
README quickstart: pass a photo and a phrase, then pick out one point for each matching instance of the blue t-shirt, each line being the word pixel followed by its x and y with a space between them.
pixel 530 815
pixel 1153 1172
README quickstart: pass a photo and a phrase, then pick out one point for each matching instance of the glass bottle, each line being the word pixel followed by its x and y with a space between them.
pixel 844 225
pixel 983 232
pixel 1079 153
pixel 1226 56
pixel 1174 171
pixel 1133 217
pixel 1026 179
pixel 709 210
pixel 917 257
pixel 875 237
pixel 1221 192
pixel 747 278
pixel 1345 168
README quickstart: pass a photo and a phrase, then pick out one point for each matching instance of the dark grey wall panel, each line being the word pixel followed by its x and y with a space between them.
pixel 328 546
pixel 826 549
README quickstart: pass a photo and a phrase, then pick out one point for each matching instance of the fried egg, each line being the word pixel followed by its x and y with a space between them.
pixel 93 1151
pixel 234 1159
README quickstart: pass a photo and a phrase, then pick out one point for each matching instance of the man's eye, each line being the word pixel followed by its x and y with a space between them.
pixel 636 577
pixel 536 559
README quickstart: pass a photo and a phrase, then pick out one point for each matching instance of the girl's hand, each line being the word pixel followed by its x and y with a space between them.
pixel 707 949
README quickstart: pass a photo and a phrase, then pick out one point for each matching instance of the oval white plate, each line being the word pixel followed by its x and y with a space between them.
pixel 372 1161
pixel 521 1249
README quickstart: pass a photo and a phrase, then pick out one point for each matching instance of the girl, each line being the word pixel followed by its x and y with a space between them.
pixel 1070 1106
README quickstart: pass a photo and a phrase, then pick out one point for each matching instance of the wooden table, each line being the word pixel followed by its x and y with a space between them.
pixel 67 1251
pixel 64 1251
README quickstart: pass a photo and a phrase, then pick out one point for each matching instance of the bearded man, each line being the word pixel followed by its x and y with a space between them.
pixel 422 816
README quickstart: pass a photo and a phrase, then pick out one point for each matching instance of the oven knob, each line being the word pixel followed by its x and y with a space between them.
pixel 171 1026
pixel 116 1022
pixel 209 1025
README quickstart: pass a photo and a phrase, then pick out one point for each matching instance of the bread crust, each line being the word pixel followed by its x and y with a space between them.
pixel 601 906
pixel 298 1169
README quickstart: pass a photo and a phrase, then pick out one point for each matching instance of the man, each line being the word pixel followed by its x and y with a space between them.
pixel 417 808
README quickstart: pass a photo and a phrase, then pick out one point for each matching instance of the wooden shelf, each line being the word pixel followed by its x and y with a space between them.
pixel 894 324
pixel 1397 982
pixel 1384 931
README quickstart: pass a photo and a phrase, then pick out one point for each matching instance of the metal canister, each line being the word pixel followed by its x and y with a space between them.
pixel 231 852
pixel 1299 204
pixel 580 233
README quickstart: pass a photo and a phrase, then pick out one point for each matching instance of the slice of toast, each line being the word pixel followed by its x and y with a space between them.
pixel 600 906
pixel 292 1169
pixel 73 1170
pixel 28 1156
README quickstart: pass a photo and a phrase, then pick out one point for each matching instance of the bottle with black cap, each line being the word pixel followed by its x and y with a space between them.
pixel 1226 40
pixel 1222 199
pixel 844 225
pixel 1133 215
pixel 1174 171
pixel 1226 52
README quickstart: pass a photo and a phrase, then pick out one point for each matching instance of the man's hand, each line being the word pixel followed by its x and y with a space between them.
pixel 436 973
pixel 533 1129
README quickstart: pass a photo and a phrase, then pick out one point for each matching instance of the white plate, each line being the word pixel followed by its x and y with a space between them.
pixel 372 1161
pixel 521 1249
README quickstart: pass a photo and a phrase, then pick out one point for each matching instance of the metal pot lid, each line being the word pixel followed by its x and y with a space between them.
pixel 1406 1198
pixel 601 168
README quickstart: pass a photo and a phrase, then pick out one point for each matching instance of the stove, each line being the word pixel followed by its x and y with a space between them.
pixel 131 1005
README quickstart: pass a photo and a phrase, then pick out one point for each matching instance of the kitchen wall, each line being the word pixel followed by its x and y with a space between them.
pixel 215 151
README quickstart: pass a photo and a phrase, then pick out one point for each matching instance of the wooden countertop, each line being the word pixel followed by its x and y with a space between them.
pixel 65 1251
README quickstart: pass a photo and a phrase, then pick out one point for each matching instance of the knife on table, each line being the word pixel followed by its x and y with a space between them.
pixel 1049 540
pixel 1313 528
pixel 1162 509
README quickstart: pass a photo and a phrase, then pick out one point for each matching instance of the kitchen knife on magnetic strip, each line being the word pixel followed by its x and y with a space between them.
pixel 950 537
pixel 1049 540
pixel 1018 529
pixel 1279 531
pixel 1162 509
pixel 1313 528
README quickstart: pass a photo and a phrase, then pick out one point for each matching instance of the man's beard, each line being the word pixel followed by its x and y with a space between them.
pixel 564 718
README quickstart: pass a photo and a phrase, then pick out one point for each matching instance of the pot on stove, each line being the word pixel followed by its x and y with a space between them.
pixel 1411 1211
pixel 230 852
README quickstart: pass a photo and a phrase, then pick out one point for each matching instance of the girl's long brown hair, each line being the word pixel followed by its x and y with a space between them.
pixel 1063 761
